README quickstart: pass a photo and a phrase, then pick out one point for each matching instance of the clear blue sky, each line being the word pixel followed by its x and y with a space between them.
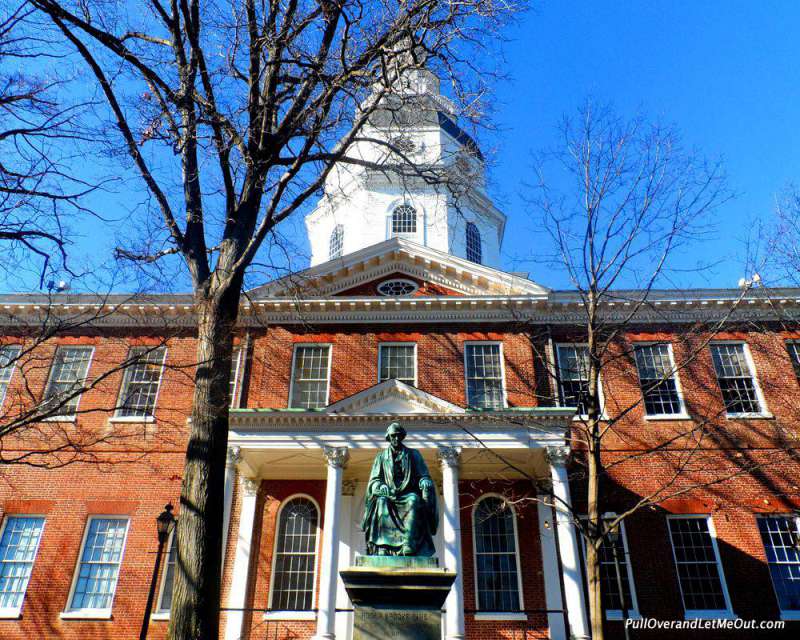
pixel 725 73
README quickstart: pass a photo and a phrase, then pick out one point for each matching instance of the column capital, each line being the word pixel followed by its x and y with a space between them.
pixel 557 456
pixel 336 456
pixel 449 456
pixel 250 486
pixel 233 457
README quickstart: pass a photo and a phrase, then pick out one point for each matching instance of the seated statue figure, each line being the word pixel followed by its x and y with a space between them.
pixel 400 512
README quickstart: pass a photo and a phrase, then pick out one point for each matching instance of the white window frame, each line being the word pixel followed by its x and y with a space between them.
pixel 390 220
pixel 683 414
pixel 578 416
pixel 11 613
pixel 238 368
pixel 337 233
pixel 502 372
pixel 123 385
pixel 11 367
pixel 295 347
pixel 748 358
pixel 396 344
pixel 497 615
pixel 633 610
pixel 94 614
pixel 282 614
pixel 796 369
pixel 471 224
pixel 160 612
pixel 693 614
pixel 73 416
pixel 785 614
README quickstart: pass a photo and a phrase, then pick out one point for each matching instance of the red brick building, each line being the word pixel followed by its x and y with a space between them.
pixel 401 319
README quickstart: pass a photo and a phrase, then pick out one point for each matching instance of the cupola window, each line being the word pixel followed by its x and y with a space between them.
pixel 336 242
pixel 404 220
pixel 474 249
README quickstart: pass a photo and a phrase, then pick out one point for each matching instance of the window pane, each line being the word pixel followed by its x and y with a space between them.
pixel 697 564
pixel 404 220
pixel 658 380
pixel 496 556
pixel 473 240
pixel 310 377
pixel 8 360
pixel 67 376
pixel 609 586
pixel 794 355
pixel 735 378
pixel 18 546
pixel 573 372
pixel 397 361
pixel 169 576
pixel 140 384
pixel 100 562
pixel 484 376
pixel 336 242
pixel 780 537
pixel 295 556
pixel 236 364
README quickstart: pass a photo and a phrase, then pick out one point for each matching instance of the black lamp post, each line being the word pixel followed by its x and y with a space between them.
pixel 613 537
pixel 165 523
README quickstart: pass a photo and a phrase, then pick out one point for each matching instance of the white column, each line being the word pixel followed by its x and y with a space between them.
pixel 336 458
pixel 568 544
pixel 451 533
pixel 237 598
pixel 232 459
pixel 552 578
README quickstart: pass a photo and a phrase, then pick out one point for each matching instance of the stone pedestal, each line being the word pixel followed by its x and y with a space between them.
pixel 397 597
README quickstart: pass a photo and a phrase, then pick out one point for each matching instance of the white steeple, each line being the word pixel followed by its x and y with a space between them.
pixel 429 188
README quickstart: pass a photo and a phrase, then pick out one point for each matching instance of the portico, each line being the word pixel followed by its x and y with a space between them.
pixel 337 445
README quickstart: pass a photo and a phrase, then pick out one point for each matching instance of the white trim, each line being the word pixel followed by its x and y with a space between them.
pixel 601 394
pixel 290 615
pixel 511 615
pixel 160 616
pixel 16 612
pixel 297 345
pixel 692 614
pixel 100 614
pixel 466 343
pixel 163 577
pixel 764 411
pixel 275 557
pixel 786 614
pixel 398 344
pixel 633 610
pixel 521 596
pixel 233 401
pixel 131 419
pixel 13 367
pixel 683 414
pixel 68 417
pixel 126 380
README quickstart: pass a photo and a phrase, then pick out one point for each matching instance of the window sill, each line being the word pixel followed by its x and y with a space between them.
pixel 673 416
pixel 91 614
pixel 710 615
pixel 616 614
pixel 749 416
pixel 290 615
pixel 161 615
pixel 10 614
pixel 129 419
pixel 60 419
pixel 790 615
pixel 499 615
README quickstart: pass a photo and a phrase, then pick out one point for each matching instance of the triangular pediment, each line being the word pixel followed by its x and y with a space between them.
pixel 437 273
pixel 392 397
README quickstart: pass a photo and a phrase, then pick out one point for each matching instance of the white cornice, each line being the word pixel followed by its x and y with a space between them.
pixel 408 399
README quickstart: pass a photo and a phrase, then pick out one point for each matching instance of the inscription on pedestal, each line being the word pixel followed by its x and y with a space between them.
pixel 405 624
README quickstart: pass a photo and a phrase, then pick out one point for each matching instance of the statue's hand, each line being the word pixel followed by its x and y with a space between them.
pixel 383 491
pixel 426 485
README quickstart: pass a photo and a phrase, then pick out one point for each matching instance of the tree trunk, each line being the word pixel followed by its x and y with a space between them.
pixel 196 591
pixel 594 529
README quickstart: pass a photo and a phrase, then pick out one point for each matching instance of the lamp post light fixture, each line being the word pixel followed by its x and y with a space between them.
pixel 614 536
pixel 165 523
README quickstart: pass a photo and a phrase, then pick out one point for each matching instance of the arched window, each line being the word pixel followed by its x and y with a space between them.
pixel 404 220
pixel 336 242
pixel 496 560
pixel 295 559
pixel 474 252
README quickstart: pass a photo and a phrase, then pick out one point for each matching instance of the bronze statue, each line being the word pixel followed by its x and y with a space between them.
pixel 400 512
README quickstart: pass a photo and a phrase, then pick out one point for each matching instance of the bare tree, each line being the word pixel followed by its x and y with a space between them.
pixel 232 116
pixel 784 243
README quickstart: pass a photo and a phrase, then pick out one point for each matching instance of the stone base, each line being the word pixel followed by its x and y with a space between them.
pixel 397 597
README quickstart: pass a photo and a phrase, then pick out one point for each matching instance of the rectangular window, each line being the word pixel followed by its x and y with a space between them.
pixel 18 546
pixel 67 377
pixel 236 365
pixel 658 379
pixel 573 375
pixel 735 377
pixel 794 354
pixel 484 372
pixel 698 566
pixel 310 376
pixel 8 360
pixel 399 362
pixel 781 536
pixel 168 578
pixel 98 569
pixel 141 381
